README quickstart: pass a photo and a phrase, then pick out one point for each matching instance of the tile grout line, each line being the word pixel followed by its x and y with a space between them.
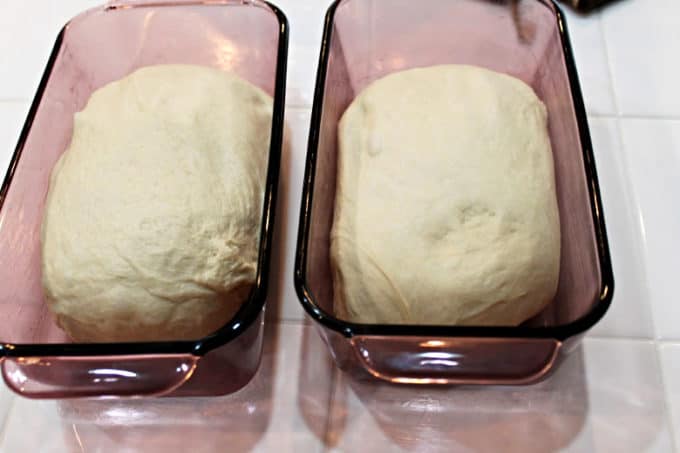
pixel 675 436
pixel 299 107
pixel 286 322
pixel 620 116
pixel 4 100
pixel 621 338
pixel 607 56
pixel 655 340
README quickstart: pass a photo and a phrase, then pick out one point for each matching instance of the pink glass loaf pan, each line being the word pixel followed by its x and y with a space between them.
pixel 365 40
pixel 95 48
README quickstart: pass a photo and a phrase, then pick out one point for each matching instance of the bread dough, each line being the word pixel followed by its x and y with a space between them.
pixel 446 210
pixel 152 221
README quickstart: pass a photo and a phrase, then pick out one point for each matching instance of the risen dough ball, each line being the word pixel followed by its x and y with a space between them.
pixel 446 210
pixel 152 221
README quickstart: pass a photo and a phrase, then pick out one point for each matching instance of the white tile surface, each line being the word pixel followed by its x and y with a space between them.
pixel 27 33
pixel 642 40
pixel 626 398
pixel 591 60
pixel 27 419
pixel 630 312
pixel 607 397
pixel 306 27
pixel 6 400
pixel 652 148
pixel 670 364
pixel 288 208
pixel 264 416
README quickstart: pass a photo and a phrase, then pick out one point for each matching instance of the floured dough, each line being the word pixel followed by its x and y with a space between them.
pixel 152 221
pixel 446 211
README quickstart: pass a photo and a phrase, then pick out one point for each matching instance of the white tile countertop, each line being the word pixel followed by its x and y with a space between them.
pixel 619 392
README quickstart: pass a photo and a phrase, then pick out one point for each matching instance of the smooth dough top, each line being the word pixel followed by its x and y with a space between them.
pixel 152 221
pixel 446 210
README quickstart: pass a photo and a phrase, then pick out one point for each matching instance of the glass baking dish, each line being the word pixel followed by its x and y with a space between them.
pixel 365 40
pixel 95 48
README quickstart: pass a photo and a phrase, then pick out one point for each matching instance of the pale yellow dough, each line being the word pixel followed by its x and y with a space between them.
pixel 446 211
pixel 152 221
